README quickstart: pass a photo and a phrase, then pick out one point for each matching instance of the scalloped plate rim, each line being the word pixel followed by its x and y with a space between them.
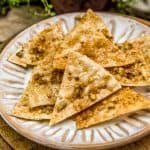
pixel 112 144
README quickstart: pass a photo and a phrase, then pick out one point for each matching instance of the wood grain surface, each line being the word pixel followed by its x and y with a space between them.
pixel 9 139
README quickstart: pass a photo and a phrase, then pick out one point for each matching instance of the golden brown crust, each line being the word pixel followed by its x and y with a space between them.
pixel 39 97
pixel 35 50
pixel 23 110
pixel 122 102
pixel 43 87
pixel 84 83
pixel 91 37
pixel 135 74
pixel 131 75
pixel 17 60
pixel 43 91
pixel 143 43
pixel 99 23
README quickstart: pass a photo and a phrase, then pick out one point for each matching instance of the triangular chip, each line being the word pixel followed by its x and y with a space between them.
pixel 23 110
pixel 44 84
pixel 17 57
pixel 91 18
pixel 91 37
pixel 135 74
pixel 84 83
pixel 123 102
pixel 32 52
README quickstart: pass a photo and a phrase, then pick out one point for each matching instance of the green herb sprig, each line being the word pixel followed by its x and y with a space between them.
pixel 123 6
pixel 5 5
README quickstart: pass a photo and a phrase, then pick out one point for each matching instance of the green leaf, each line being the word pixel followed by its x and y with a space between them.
pixel 50 6
pixel 53 14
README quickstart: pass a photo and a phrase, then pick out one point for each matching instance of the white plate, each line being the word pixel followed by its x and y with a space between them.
pixel 13 80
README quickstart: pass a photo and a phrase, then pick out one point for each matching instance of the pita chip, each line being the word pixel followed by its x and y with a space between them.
pixel 16 59
pixel 39 97
pixel 44 84
pixel 91 17
pixel 91 37
pixel 23 110
pixel 135 74
pixel 123 102
pixel 35 50
pixel 84 84
pixel 42 87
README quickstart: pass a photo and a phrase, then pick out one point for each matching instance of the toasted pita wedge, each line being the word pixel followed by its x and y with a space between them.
pixel 91 37
pixel 84 83
pixel 14 58
pixel 23 110
pixel 90 16
pixel 42 87
pixel 143 43
pixel 122 102
pixel 35 50
pixel 131 75
pixel 135 74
